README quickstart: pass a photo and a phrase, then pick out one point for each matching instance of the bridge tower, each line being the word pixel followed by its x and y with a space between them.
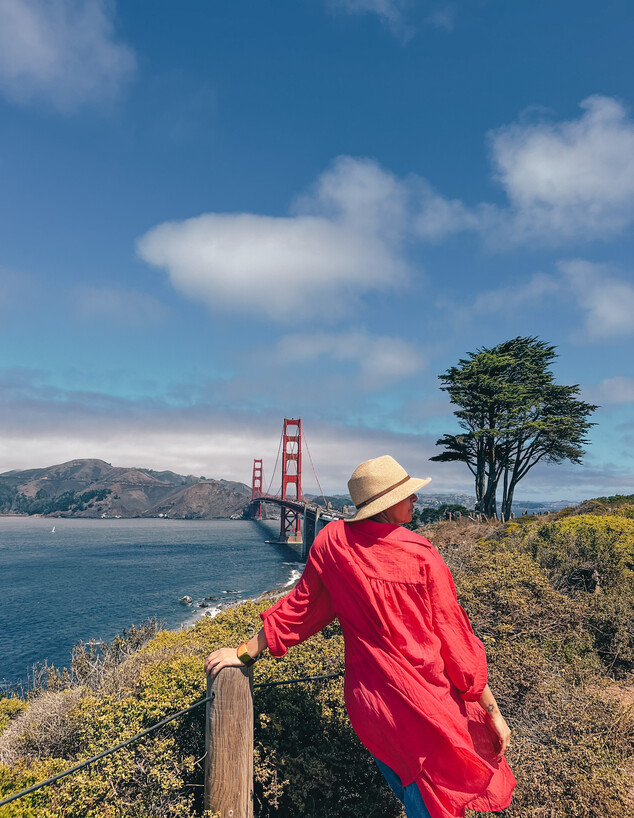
pixel 256 487
pixel 290 528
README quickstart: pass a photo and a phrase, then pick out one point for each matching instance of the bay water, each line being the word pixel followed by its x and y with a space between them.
pixel 90 579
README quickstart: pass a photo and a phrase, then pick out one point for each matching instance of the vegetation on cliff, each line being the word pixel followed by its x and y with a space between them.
pixel 552 598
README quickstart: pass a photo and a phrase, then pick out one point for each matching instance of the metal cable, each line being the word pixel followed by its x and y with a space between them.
pixel 302 679
pixel 149 730
pixel 277 459
pixel 314 472
pixel 92 760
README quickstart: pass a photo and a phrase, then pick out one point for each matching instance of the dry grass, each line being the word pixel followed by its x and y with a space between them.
pixel 45 729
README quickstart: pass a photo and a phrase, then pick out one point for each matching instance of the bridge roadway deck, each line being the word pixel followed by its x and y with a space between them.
pixel 301 506
pixel 310 511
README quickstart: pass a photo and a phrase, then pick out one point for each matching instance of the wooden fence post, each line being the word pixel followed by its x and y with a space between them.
pixel 229 744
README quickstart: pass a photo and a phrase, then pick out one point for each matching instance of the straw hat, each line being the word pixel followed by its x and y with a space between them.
pixel 379 484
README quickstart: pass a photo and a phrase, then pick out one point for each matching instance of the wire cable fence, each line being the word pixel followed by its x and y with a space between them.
pixel 82 765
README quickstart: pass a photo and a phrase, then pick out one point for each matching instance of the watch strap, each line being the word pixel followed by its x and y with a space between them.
pixel 244 655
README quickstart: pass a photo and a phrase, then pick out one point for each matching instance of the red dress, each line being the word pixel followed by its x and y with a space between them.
pixel 414 668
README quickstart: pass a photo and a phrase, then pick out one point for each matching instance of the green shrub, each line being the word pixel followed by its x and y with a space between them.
pixel 572 550
pixel 10 707
pixel 617 501
pixel 509 598
pixel 591 559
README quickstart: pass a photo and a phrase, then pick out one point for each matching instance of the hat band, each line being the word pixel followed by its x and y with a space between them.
pixel 382 493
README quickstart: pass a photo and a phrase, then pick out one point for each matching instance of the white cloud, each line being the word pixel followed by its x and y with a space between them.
pixel 576 482
pixel 344 241
pixel 443 16
pixel 571 179
pixel 608 301
pixel 40 429
pixel 616 390
pixel 346 237
pixel 119 306
pixel 391 11
pixel 360 195
pixel 515 296
pixel 380 360
pixel 225 449
pixel 438 217
pixel 601 301
pixel 42 426
pixel 63 52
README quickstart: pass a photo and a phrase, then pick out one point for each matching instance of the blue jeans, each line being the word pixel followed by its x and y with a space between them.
pixel 409 796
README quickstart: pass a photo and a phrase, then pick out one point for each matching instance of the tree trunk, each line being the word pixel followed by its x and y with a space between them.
pixel 508 501
pixel 480 481
pixel 490 502
pixel 492 477
pixel 505 492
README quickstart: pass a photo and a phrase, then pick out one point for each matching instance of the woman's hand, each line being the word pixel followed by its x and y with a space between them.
pixel 496 721
pixel 223 657
pixel 228 657
pixel 501 729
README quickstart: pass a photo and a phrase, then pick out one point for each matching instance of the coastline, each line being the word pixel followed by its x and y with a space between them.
pixel 95 579
pixel 212 612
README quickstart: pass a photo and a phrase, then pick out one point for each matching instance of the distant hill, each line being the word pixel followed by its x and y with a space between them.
pixel 204 500
pixel 94 488
pixel 536 507
pixel 447 499
pixel 468 501
pixel 340 501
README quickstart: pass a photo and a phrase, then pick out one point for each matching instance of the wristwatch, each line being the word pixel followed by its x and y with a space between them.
pixel 244 656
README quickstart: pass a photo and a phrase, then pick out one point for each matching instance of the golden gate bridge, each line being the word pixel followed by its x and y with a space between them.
pixel 293 505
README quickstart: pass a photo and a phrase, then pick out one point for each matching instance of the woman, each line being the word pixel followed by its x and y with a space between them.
pixel 416 677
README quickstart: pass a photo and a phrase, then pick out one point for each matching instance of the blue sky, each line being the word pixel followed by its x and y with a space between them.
pixel 215 215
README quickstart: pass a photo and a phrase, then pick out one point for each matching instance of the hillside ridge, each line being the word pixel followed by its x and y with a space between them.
pixel 94 488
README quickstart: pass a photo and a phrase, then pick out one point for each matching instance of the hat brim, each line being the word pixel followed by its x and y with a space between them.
pixel 390 499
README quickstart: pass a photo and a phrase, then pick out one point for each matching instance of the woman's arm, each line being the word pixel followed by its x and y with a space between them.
pixel 496 720
pixel 228 657
pixel 462 652
pixel 305 611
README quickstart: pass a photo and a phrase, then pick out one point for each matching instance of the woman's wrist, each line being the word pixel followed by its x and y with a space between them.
pixel 488 704
pixel 249 652
pixel 244 655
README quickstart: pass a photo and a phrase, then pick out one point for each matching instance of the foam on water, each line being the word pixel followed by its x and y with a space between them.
pixel 295 575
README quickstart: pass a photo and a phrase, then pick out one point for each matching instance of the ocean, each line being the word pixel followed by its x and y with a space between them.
pixel 90 579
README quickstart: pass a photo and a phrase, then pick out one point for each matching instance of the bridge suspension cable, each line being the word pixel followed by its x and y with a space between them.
pixel 313 467
pixel 277 460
